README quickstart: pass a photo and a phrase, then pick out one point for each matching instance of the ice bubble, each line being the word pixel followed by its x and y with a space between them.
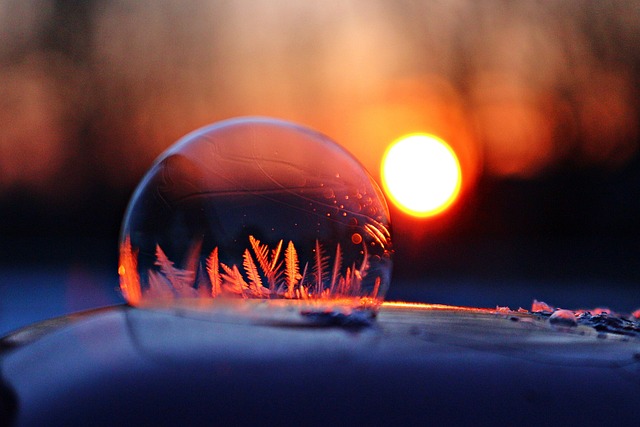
pixel 563 318
pixel 256 208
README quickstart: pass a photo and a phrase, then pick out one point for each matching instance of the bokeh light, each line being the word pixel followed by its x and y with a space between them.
pixel 421 174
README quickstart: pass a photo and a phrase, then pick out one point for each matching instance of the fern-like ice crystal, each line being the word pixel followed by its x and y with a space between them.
pixel 264 275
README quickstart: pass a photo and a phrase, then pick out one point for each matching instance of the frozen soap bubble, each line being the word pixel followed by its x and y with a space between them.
pixel 256 208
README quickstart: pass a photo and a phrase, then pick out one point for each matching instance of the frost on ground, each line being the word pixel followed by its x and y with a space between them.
pixel 600 319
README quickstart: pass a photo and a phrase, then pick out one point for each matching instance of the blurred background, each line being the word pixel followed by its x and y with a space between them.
pixel 538 99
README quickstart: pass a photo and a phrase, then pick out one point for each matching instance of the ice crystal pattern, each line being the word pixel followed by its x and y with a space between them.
pixel 264 274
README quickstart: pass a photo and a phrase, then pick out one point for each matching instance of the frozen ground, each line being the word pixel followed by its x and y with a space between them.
pixel 418 365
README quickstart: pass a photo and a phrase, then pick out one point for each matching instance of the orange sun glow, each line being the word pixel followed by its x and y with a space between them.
pixel 421 174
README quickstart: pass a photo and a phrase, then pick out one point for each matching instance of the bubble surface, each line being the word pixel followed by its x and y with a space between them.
pixel 256 208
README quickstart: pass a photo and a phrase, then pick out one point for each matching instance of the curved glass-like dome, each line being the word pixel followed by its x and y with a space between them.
pixel 256 208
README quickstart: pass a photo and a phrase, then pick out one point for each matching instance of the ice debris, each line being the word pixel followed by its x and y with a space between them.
pixel 612 323
pixel 603 320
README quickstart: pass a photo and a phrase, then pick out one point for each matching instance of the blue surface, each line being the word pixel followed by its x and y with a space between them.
pixel 32 295
pixel 127 366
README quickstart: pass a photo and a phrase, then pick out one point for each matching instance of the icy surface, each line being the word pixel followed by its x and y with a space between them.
pixel 420 365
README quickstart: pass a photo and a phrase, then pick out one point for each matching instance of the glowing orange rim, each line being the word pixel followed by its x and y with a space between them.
pixel 421 174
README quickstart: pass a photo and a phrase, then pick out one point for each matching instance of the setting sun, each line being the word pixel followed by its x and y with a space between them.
pixel 421 174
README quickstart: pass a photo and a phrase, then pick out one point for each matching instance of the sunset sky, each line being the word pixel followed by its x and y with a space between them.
pixel 537 99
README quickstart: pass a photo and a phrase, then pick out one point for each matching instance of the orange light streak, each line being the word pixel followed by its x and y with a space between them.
pixel 128 272
pixel 442 307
